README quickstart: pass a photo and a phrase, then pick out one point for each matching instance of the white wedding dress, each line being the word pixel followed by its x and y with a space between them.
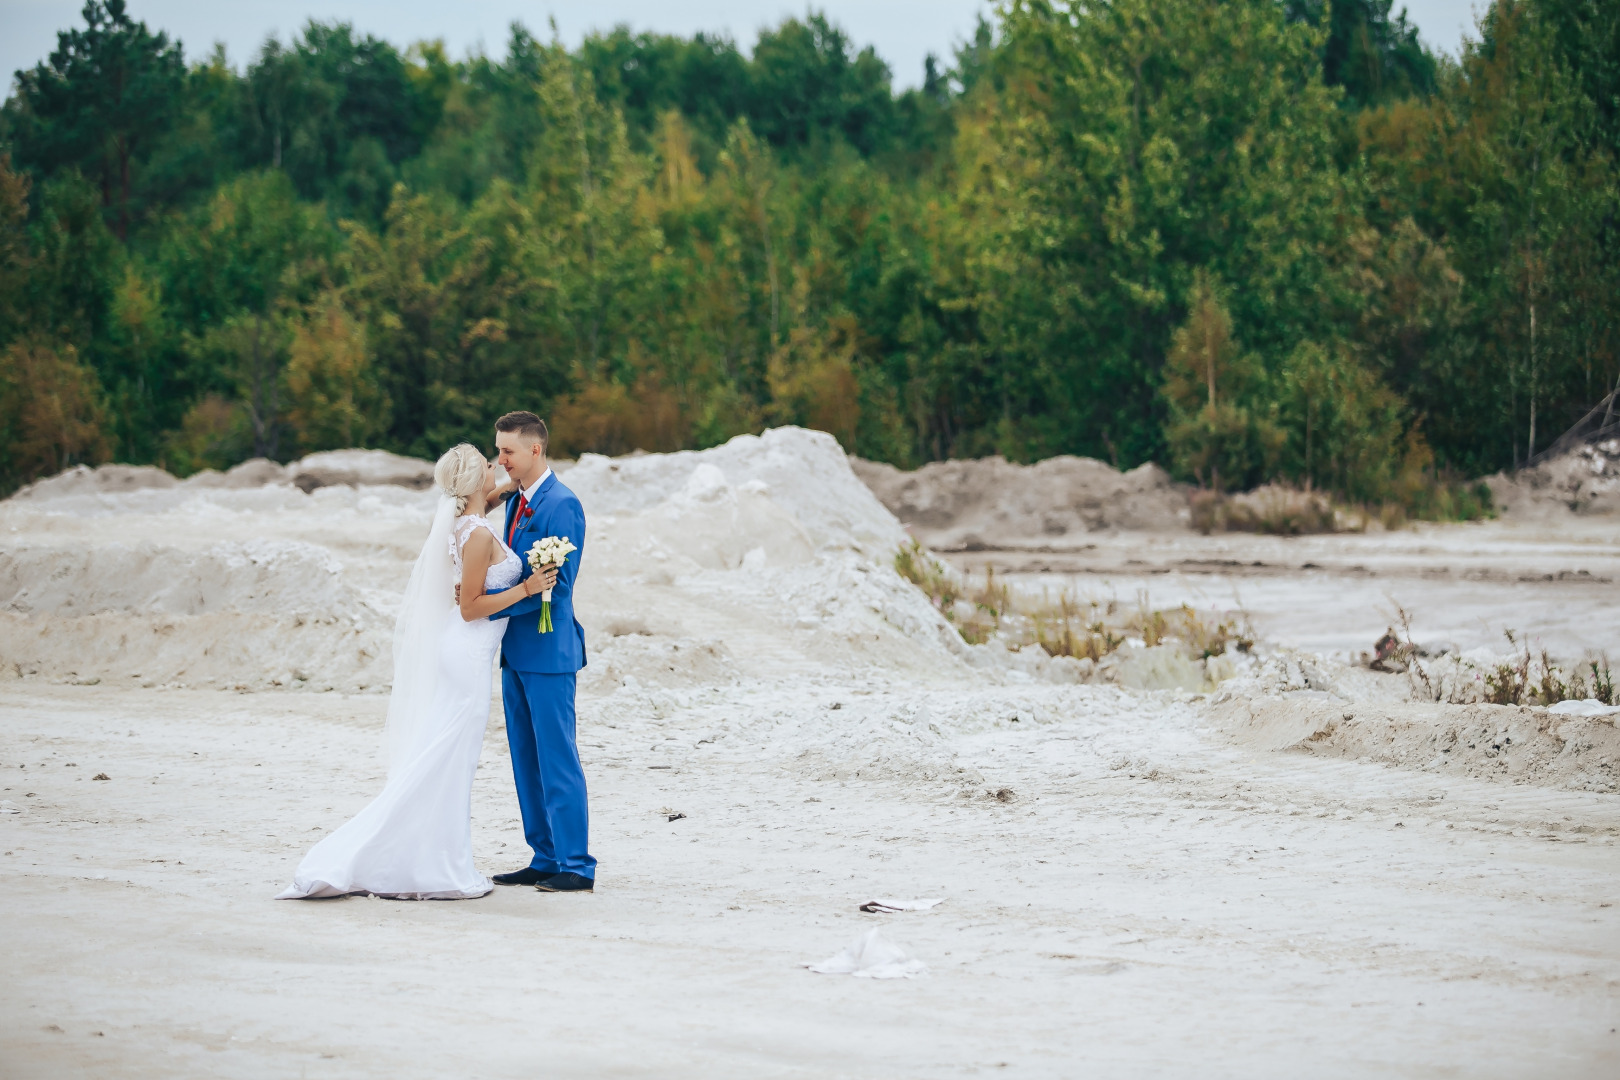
pixel 414 840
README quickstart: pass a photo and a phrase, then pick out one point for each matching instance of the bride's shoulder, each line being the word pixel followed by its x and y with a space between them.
pixel 469 526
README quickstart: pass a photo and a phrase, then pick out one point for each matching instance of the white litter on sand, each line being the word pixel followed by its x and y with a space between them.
pixel 871 956
pixel 890 906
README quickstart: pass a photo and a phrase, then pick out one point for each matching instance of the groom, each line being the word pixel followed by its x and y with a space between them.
pixel 538 670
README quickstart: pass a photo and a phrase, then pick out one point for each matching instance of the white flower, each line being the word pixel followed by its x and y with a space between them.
pixel 550 551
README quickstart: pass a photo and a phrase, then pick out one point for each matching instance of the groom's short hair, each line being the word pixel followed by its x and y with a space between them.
pixel 526 424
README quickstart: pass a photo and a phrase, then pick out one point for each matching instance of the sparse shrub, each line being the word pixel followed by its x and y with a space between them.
pixel 1603 681
pixel 1506 683
pixel 1288 511
pixel 1525 678
pixel 1064 625
pixel 916 565
pixel 1271 508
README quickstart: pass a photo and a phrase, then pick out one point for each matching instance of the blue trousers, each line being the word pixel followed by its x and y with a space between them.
pixel 546 769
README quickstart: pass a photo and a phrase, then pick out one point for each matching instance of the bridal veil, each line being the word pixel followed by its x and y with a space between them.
pixel 426 615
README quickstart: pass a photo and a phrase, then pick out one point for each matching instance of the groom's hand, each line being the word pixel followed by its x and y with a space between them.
pixel 458 594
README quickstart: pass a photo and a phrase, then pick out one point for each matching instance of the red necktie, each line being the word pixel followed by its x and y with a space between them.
pixel 517 515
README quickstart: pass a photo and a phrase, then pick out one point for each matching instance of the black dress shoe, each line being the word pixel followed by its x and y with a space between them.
pixel 566 882
pixel 526 876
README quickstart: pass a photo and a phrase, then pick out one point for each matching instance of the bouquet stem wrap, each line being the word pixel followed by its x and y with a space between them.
pixel 551 551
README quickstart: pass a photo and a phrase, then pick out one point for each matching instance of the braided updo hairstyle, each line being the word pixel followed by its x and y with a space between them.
pixel 460 473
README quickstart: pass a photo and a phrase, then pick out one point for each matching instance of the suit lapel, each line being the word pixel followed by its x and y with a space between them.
pixel 533 508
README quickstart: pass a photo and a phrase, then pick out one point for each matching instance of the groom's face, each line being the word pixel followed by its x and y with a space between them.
pixel 522 458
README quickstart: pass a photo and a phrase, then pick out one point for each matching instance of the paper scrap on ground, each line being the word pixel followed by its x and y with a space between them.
pixel 9 807
pixel 884 905
pixel 872 956
pixel 1586 707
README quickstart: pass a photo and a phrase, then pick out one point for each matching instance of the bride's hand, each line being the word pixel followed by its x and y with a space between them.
pixel 541 580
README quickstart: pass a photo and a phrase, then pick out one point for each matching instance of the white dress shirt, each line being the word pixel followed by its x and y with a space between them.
pixel 528 494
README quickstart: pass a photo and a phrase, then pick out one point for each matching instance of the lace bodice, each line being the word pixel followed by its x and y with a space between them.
pixel 501 574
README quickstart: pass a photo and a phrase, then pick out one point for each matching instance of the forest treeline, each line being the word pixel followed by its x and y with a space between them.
pixel 1253 240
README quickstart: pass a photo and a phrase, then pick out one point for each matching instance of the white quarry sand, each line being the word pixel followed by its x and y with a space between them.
pixel 1300 873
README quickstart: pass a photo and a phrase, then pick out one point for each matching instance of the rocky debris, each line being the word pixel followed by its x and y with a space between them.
pixel 1586 480
pixel 993 503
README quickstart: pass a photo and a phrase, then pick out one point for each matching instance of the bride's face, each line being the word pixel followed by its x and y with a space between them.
pixel 493 478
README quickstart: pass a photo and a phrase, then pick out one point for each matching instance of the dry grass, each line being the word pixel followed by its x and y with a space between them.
pixel 1525 679
pixel 1537 680
pixel 1064 624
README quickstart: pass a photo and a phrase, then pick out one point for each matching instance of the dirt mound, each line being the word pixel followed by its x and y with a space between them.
pixel 993 503
pixel 255 472
pixel 357 467
pixel 103 480
pixel 1490 742
pixel 1584 481
pixel 330 468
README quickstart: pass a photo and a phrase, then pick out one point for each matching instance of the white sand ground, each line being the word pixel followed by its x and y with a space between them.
pixel 1152 902
pixel 1168 889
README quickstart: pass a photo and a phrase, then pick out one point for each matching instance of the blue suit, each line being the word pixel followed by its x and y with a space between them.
pixel 538 674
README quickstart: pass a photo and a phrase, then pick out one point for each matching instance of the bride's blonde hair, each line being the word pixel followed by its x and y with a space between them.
pixel 460 473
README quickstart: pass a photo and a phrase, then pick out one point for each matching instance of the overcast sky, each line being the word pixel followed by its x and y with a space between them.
pixel 904 31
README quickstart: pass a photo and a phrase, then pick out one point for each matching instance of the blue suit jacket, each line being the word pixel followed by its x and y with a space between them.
pixel 557 512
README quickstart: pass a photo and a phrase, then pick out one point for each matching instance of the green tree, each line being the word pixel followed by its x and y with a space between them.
pixel 334 399
pixel 1213 431
pixel 1374 56
pixel 107 94
pixel 808 82
pixel 50 413
pixel 339 112
pixel 1138 142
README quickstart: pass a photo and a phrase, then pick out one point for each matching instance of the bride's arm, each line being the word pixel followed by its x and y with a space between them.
pixel 476 558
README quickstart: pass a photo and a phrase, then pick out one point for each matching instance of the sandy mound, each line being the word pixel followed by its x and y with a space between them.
pixel 992 503
pixel 353 468
pixel 763 556
pixel 1584 481
pixel 356 467
pixel 1494 742
pixel 805 472
pixel 255 472
pixel 107 479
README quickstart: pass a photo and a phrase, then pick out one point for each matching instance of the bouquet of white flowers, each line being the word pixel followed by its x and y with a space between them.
pixel 551 551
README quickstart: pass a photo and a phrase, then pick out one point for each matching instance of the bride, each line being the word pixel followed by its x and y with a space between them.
pixel 414 840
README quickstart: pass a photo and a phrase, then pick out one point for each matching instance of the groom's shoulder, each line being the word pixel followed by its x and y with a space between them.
pixel 564 494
